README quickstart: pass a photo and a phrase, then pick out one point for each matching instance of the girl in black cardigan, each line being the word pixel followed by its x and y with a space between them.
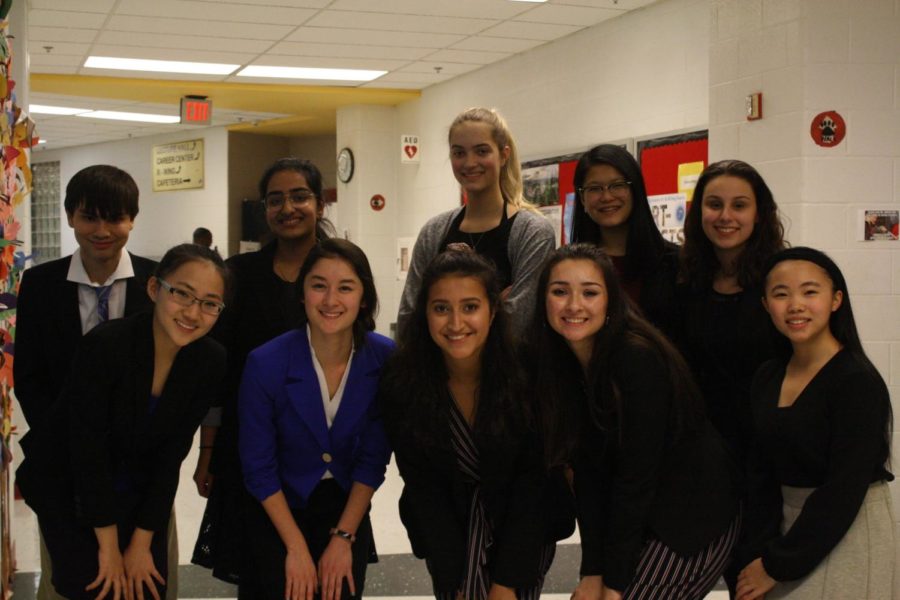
pixel 819 513
pixel 102 471
pixel 613 212
pixel 657 507
pixel 455 412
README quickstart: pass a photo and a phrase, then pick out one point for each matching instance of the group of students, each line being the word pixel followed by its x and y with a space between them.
pixel 702 410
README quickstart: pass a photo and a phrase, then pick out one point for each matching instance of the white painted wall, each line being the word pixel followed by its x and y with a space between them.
pixel 165 218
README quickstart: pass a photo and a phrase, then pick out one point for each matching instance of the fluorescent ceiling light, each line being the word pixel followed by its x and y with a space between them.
pixel 130 116
pixel 42 141
pixel 43 109
pixel 160 66
pixel 310 73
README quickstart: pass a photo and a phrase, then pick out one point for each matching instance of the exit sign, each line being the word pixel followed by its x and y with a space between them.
pixel 196 111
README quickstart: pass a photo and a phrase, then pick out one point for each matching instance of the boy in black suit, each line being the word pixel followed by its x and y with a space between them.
pixel 62 300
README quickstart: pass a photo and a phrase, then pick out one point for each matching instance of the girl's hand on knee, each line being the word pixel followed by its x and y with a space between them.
pixel 335 565
pixel 300 576
pixel 110 576
pixel 140 571
pixel 589 588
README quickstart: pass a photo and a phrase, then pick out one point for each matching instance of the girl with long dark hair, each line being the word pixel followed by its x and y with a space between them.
pixel 266 304
pixel 730 232
pixel 613 212
pixel 102 470
pixel 312 447
pixel 820 523
pixel 474 494
pixel 657 505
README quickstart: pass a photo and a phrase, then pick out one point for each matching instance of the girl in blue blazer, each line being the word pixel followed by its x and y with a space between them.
pixel 312 447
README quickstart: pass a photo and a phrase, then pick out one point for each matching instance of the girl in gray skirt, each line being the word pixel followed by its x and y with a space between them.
pixel 819 513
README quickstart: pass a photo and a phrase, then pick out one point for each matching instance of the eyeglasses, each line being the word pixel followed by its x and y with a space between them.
pixel 298 199
pixel 618 189
pixel 185 298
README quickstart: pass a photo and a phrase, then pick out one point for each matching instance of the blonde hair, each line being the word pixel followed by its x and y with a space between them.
pixel 511 172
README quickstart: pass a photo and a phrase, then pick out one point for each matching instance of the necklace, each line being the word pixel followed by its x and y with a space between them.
pixel 473 242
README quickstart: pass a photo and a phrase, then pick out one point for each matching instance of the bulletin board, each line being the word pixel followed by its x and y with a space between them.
pixel 660 157
pixel 671 165
pixel 549 184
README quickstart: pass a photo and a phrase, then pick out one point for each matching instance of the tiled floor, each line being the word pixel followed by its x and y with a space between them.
pixel 398 574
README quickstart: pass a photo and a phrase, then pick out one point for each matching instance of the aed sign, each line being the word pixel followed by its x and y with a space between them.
pixel 409 149
pixel 196 111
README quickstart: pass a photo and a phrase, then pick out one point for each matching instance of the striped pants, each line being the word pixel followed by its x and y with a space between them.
pixel 662 574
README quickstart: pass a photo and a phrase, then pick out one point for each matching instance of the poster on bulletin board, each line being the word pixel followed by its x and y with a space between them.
pixel 671 165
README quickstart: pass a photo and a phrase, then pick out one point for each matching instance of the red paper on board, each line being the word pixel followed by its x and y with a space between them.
pixel 659 164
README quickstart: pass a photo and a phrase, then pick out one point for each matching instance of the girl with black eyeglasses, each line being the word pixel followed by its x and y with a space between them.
pixel 102 470
pixel 613 212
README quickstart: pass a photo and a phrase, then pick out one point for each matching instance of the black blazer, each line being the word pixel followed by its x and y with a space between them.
pixel 525 508
pixel 99 431
pixel 48 329
pixel 659 298
pixel 634 479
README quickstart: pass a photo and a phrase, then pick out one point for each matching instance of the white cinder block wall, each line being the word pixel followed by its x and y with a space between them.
pixel 806 57
pixel 165 218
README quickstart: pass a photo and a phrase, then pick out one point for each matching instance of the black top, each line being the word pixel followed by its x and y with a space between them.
pixel 633 479
pixel 524 509
pixel 492 244
pixel 262 307
pixel 100 428
pixel 831 439
pixel 725 338
pixel 48 329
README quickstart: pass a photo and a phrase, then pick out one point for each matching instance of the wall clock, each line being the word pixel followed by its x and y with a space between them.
pixel 345 165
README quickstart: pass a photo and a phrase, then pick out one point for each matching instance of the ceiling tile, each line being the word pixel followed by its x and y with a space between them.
pixel 496 44
pixel 347 50
pixel 622 5
pixel 391 22
pixel 395 85
pixel 60 34
pixel 39 60
pixel 331 35
pixel 204 27
pixel 446 68
pixel 429 78
pixel 219 12
pixel 35 67
pixel 467 56
pixel 530 31
pixel 58 49
pixel 328 62
pixel 66 18
pixel 568 15
pixel 309 82
pixel 485 9
pixel 268 3
pixel 97 6
pixel 187 42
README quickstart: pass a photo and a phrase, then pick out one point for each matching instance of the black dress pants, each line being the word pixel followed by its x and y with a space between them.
pixel 324 509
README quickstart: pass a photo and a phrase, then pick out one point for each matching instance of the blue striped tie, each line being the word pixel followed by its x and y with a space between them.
pixel 103 301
